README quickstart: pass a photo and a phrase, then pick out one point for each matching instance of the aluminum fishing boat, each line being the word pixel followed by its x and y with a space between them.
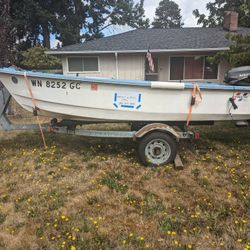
pixel 110 100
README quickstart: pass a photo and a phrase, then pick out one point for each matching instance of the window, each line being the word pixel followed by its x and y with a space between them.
pixel 176 68
pixel 211 70
pixel 75 64
pixel 90 63
pixel 151 76
pixel 81 64
pixel 196 68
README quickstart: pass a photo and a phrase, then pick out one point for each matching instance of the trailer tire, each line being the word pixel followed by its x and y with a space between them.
pixel 157 148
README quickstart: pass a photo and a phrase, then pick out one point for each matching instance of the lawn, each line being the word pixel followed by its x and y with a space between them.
pixel 82 193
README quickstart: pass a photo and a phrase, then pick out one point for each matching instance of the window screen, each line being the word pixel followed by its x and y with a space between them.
pixel 81 64
pixel 75 64
pixel 90 64
pixel 211 70
pixel 176 68
pixel 194 67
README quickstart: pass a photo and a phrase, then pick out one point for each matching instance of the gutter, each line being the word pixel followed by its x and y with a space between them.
pixel 133 51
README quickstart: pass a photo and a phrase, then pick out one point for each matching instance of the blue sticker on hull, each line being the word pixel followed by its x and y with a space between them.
pixel 127 100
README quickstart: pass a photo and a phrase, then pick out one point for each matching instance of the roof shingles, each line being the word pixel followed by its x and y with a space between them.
pixel 157 39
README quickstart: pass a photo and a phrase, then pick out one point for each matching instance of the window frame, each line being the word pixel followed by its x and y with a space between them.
pixel 88 72
pixel 184 68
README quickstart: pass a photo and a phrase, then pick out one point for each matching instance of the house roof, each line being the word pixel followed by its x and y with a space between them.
pixel 140 40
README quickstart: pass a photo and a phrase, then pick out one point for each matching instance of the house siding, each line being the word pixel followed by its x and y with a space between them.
pixel 132 67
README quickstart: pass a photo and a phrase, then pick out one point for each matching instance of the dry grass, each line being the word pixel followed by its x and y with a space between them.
pixel 93 194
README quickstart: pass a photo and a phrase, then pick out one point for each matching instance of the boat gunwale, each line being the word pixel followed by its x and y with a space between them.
pixel 139 83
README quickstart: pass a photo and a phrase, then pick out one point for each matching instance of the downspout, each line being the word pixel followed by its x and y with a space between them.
pixel 116 65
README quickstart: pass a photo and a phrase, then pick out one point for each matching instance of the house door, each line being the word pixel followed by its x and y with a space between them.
pixel 152 76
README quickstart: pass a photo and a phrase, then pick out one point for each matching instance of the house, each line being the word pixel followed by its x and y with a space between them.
pixel 178 54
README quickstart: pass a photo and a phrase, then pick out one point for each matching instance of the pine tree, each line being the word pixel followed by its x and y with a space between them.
pixel 216 13
pixel 104 13
pixel 27 23
pixel 239 53
pixel 6 35
pixel 71 20
pixel 167 15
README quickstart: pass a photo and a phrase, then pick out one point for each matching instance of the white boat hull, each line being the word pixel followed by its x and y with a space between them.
pixel 97 100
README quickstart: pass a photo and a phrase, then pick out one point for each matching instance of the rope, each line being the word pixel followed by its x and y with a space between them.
pixel 35 107
pixel 196 89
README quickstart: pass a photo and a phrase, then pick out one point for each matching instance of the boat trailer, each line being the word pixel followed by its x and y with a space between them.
pixel 157 142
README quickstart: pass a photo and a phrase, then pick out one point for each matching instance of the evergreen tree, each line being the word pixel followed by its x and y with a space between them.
pixel 104 13
pixel 6 35
pixel 167 15
pixel 216 13
pixel 239 53
pixel 68 19
pixel 27 23
pixel 35 58
pixel 72 16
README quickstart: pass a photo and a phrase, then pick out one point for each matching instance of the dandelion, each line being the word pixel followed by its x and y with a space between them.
pixel 63 217
pixel 72 248
pixel 189 246
pixel 131 235
pixel 141 238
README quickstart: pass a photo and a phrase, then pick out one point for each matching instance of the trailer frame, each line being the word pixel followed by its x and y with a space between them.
pixel 70 128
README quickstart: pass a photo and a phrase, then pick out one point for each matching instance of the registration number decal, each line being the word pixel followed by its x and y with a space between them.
pixel 55 84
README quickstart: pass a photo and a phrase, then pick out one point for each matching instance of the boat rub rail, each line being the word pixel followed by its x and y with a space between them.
pixel 151 84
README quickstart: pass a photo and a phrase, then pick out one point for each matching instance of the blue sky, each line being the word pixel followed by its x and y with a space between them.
pixel 186 6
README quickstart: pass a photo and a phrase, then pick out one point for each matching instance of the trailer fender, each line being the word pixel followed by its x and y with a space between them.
pixel 157 127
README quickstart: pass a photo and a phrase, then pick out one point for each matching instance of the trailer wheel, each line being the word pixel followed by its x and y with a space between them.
pixel 157 148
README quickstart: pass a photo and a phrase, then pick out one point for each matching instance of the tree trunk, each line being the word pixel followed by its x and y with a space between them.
pixel 5 37
pixel 46 35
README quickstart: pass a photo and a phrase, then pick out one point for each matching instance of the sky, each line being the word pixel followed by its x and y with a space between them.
pixel 186 6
